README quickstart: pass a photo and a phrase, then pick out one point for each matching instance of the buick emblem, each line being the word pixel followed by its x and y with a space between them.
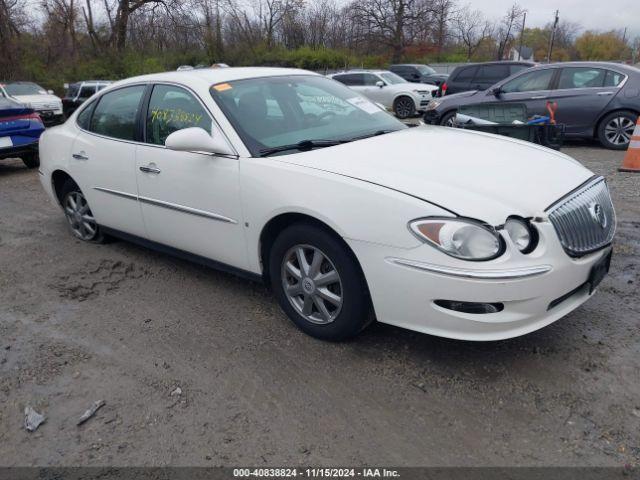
pixel 598 215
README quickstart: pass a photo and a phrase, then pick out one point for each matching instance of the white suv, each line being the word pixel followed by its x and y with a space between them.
pixel 388 89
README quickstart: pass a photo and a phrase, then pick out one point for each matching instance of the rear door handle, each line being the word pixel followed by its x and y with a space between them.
pixel 150 169
pixel 539 97
pixel 603 94
pixel 80 156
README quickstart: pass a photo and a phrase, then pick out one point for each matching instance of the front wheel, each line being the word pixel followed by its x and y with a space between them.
pixel 616 129
pixel 76 209
pixel 404 107
pixel 318 283
pixel 449 119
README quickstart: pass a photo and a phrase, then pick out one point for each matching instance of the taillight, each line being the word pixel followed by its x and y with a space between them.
pixel 444 88
pixel 26 116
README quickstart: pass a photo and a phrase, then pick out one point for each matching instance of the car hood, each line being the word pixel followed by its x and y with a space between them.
pixel 472 174
pixel 39 98
pixel 456 96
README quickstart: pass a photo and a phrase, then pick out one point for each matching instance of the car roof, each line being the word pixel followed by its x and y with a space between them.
pixel 620 66
pixel 497 62
pixel 363 70
pixel 211 76
pixel 410 65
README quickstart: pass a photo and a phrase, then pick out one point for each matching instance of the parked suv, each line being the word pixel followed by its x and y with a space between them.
pixel 480 76
pixel 388 89
pixel 595 99
pixel 32 95
pixel 79 92
pixel 418 73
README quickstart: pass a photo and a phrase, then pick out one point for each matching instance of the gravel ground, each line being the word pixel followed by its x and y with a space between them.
pixel 81 322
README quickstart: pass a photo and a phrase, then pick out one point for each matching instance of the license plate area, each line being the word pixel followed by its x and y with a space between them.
pixel 598 271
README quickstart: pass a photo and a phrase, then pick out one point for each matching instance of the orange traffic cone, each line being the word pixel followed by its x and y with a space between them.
pixel 631 162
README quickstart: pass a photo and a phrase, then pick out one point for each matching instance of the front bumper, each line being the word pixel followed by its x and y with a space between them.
pixel 404 293
pixel 432 117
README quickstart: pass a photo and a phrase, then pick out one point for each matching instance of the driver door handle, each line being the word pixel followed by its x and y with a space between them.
pixel 538 97
pixel 150 169
pixel 80 156
pixel 602 94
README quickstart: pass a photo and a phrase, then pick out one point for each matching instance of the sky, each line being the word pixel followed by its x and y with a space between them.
pixel 590 14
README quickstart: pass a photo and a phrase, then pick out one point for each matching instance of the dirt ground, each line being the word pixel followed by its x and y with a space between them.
pixel 81 322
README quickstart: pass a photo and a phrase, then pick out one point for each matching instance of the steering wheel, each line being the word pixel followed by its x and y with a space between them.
pixel 327 113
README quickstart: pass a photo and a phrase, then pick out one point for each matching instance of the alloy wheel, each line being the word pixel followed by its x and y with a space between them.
pixel 312 284
pixel 404 108
pixel 619 130
pixel 79 215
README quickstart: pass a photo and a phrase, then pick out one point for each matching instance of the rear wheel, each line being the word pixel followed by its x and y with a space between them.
pixel 76 209
pixel 318 283
pixel 404 107
pixel 616 129
pixel 31 160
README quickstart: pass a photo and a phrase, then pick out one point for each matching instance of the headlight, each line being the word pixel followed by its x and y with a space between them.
pixel 433 104
pixel 523 235
pixel 460 238
pixel 423 92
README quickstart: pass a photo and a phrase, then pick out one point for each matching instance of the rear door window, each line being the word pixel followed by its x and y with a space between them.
pixel 581 77
pixel 116 113
pixel 350 79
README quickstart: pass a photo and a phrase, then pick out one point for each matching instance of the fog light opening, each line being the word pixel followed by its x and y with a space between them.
pixel 470 307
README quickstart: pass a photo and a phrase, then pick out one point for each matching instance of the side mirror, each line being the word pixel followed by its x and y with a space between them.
pixel 380 84
pixel 497 91
pixel 196 139
pixel 50 92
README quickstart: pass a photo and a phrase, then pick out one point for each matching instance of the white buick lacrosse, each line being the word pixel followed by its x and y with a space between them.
pixel 345 212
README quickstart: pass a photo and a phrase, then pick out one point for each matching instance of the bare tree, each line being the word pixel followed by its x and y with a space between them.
pixel 506 29
pixel 442 14
pixel 393 23
pixel 471 29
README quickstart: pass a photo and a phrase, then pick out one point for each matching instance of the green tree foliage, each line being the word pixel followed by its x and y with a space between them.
pixel 601 46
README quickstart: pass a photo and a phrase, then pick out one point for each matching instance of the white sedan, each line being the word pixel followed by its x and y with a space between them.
pixel 349 215
pixel 389 90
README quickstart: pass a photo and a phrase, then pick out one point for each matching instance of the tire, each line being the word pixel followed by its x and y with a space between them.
pixel 31 160
pixel 404 107
pixel 448 119
pixel 348 312
pixel 615 130
pixel 80 218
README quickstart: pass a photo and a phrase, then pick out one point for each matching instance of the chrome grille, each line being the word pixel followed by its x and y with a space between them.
pixel 585 219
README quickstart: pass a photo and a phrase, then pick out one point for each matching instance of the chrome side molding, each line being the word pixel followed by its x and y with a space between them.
pixel 506 274
pixel 171 206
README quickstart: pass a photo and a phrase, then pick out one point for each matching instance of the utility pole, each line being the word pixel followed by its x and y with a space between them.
pixel 524 22
pixel 553 36
pixel 624 42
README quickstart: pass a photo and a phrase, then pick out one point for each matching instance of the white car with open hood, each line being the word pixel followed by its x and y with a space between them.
pixel 348 214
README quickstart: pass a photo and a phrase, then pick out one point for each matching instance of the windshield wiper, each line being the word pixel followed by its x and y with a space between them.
pixel 303 146
pixel 306 145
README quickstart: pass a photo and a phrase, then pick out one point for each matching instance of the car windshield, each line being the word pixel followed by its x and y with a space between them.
pixel 24 89
pixel 275 112
pixel 425 70
pixel 392 79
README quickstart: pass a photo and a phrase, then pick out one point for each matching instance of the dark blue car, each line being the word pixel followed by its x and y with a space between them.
pixel 20 130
